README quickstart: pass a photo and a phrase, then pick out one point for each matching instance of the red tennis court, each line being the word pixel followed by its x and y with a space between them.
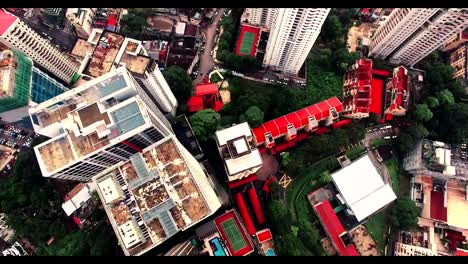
pixel 248 38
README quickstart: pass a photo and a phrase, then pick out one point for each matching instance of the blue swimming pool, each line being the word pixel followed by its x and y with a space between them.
pixel 217 248
pixel 270 252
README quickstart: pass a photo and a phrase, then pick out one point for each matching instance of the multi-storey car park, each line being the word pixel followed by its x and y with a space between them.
pixel 96 125
pixel 156 193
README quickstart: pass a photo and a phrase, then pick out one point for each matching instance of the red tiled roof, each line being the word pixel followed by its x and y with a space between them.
pixel 256 205
pixel 438 211
pixel 264 235
pixel 383 73
pixel 241 182
pixel 195 103
pixel 112 20
pixel 461 252
pixel 245 214
pixel 376 96
pixel 6 19
pixel 278 127
pixel 231 215
pixel 204 89
pixel 333 227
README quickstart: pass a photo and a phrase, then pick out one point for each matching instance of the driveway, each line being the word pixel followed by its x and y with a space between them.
pixel 206 60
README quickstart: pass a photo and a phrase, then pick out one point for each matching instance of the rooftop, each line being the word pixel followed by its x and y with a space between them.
pixel 81 48
pixel 86 119
pixel 362 187
pixel 104 54
pixel 8 65
pixel 6 20
pixel 237 150
pixel 233 234
pixel 153 196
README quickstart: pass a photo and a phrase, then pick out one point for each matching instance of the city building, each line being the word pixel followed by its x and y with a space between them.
pixel 292 36
pixel 367 90
pixel 456 41
pixel 82 20
pixel 96 125
pixel 238 151
pixel 80 202
pixel 435 159
pixel 22 86
pixel 6 233
pixel 15 250
pixel 410 34
pixel 459 61
pixel 205 96
pixel 362 189
pixel 263 17
pixel 265 240
pixel 158 192
pixel 410 250
pixel 17 35
pixel 439 188
pixel 211 240
pixel 186 248
pixel 112 50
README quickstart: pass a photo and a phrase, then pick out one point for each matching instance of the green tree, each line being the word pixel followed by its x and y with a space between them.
pixel 405 214
pixel 405 142
pixel 432 102
pixel 418 131
pixel 253 115
pixel 180 83
pixel 422 112
pixel 205 123
pixel 445 97
pixel 332 28
pixel 325 178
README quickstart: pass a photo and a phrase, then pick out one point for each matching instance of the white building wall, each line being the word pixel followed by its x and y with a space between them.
pixel 444 26
pixel 21 37
pixel 292 36
pixel 81 17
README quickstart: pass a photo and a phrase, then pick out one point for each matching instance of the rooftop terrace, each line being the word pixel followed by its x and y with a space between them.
pixel 81 48
pixel 104 54
pixel 86 119
pixel 160 196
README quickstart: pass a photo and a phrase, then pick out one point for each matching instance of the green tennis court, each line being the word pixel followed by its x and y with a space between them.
pixel 233 234
pixel 247 41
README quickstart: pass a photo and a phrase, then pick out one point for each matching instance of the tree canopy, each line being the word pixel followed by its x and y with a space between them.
pixel 253 115
pixel 405 214
pixel 180 83
pixel 422 112
pixel 205 123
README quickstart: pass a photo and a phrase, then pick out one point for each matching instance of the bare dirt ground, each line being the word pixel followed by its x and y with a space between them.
pixel 364 242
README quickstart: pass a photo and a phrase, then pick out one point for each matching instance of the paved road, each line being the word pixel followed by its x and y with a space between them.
pixel 379 165
pixel 206 60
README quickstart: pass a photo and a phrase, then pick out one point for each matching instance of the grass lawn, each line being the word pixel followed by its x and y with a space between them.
pixel 356 152
pixel 379 142
pixel 393 169
pixel 377 227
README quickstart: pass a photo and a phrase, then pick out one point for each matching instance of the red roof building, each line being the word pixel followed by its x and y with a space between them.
pixel 6 20
pixel 245 214
pixel 241 182
pixel 461 252
pixel 264 235
pixel 195 104
pixel 334 228
pixel 397 93
pixel 438 209
pixel 256 205
pixel 206 96
pixel 307 118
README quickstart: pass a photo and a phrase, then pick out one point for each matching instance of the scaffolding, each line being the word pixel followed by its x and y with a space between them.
pixel 22 84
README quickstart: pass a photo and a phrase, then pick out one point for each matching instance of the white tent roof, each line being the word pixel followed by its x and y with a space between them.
pixel 363 188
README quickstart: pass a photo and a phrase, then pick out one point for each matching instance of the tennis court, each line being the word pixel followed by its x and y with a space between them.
pixel 247 41
pixel 233 234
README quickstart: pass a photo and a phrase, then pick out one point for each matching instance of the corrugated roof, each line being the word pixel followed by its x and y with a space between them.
pixel 6 20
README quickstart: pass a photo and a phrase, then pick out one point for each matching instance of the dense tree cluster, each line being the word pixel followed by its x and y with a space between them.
pixel 243 64
pixel 405 214
pixel 134 23
pixel 180 83
pixel 204 124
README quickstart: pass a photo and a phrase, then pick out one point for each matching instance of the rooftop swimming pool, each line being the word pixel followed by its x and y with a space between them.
pixel 217 248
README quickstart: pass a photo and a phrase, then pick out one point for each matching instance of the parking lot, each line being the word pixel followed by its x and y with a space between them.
pixel 13 140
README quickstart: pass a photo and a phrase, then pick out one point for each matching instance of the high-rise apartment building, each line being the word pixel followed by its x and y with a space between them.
pixel 106 50
pixel 410 34
pixel 17 35
pixel 96 125
pixel 264 17
pixel 292 36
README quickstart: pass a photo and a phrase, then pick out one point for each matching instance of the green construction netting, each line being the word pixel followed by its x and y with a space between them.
pixel 22 88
